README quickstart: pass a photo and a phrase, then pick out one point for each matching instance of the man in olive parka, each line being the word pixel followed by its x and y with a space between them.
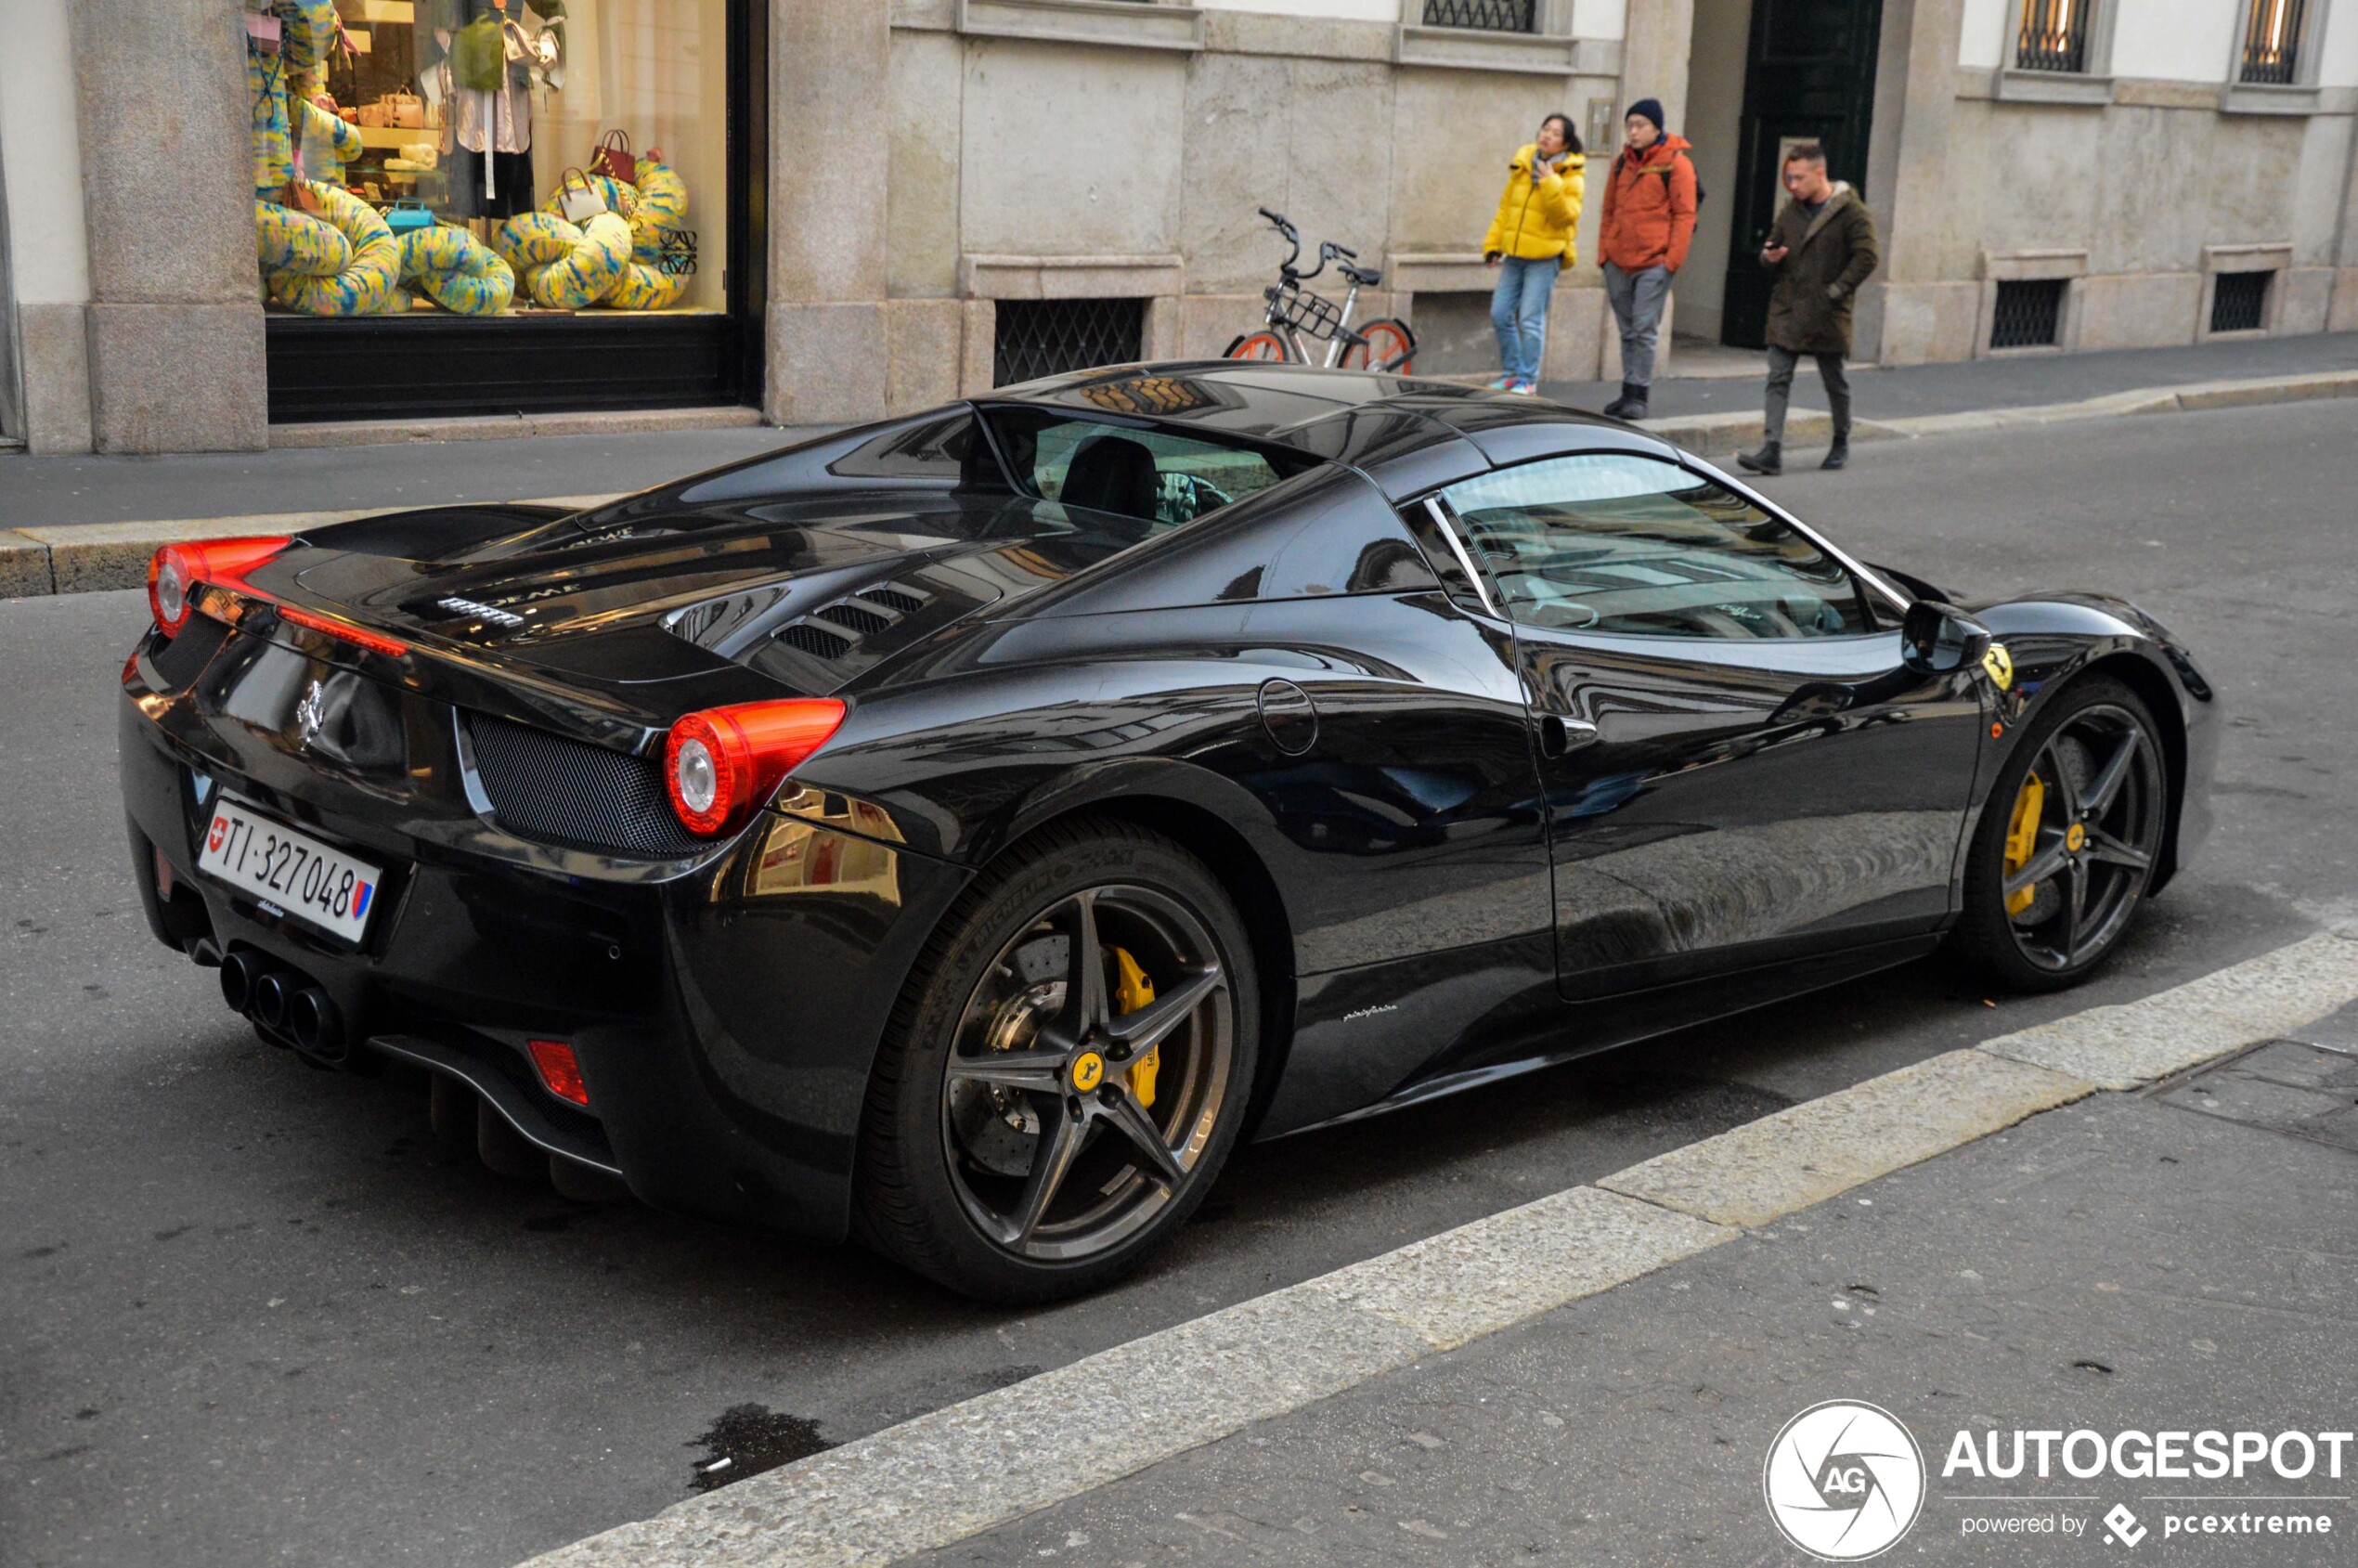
pixel 1820 250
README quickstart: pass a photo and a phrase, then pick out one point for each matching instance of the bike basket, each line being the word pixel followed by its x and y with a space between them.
pixel 1304 311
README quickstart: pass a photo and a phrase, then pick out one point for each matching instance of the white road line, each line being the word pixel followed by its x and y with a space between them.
pixel 966 1469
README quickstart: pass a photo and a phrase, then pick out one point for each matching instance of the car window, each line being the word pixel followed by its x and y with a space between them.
pixel 1152 475
pixel 1616 542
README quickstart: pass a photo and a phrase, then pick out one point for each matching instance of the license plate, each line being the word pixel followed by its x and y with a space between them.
pixel 286 872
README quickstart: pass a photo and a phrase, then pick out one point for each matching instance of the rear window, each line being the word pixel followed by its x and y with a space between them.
pixel 1137 472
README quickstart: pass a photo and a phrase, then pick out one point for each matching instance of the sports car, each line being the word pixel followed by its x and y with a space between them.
pixel 958 833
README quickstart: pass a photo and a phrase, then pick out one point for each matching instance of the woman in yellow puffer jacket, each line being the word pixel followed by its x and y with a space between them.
pixel 1530 241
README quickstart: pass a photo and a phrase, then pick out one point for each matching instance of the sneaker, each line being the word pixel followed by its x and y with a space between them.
pixel 1524 389
pixel 1502 384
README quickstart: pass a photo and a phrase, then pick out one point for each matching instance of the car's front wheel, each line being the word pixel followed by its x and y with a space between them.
pixel 2068 841
pixel 1066 1071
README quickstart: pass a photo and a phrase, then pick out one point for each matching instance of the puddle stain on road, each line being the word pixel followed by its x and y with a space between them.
pixel 749 1439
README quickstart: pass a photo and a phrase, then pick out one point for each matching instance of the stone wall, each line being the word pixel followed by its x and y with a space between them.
pixel 1022 165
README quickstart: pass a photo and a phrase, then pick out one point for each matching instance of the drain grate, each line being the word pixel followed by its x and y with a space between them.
pixel 2239 302
pixel 1040 338
pixel 2030 313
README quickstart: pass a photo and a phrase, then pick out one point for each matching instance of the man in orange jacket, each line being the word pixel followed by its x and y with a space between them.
pixel 1648 221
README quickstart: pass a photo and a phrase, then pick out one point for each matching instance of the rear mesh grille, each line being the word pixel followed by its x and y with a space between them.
pixel 814 639
pixel 181 660
pixel 893 599
pixel 569 792
pixel 866 622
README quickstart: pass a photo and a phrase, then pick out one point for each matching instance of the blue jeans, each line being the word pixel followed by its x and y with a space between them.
pixel 1519 313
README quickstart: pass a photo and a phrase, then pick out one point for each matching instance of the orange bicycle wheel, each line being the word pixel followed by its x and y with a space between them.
pixel 1257 346
pixel 1385 345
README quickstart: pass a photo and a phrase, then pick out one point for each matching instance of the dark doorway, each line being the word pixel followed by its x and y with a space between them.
pixel 1809 76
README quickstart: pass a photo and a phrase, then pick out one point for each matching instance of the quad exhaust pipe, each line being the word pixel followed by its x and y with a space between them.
pixel 287 1005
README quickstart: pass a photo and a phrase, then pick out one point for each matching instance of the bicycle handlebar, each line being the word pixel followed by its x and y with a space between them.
pixel 1293 237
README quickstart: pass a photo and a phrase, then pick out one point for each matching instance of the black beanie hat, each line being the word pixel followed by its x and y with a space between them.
pixel 1651 110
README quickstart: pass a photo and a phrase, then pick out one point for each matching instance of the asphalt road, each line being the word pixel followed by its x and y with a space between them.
pixel 251 1312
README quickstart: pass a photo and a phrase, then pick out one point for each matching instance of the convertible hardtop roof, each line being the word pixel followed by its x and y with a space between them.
pixel 1356 416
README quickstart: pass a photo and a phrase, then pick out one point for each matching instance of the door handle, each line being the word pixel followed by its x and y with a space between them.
pixel 1559 735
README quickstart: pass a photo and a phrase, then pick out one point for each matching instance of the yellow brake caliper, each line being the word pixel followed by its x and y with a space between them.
pixel 1133 992
pixel 2022 837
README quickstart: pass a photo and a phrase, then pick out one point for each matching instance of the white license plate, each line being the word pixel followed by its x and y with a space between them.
pixel 287 872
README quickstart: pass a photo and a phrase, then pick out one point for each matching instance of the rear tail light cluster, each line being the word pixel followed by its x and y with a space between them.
pixel 176 569
pixel 722 762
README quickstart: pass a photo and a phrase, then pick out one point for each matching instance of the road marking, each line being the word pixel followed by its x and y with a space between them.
pixel 973 1466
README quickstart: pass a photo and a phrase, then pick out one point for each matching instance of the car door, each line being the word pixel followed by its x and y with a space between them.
pixel 1737 768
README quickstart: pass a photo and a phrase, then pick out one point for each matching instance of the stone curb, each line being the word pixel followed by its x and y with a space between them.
pixel 1716 435
pixel 972 1466
pixel 92 557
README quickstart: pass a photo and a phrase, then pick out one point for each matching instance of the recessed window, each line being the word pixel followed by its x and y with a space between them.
pixel 2271 41
pixel 2053 35
pixel 2028 313
pixel 1038 338
pixel 1484 16
pixel 2239 302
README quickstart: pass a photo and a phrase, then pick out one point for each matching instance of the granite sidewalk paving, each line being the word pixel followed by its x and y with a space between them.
pixel 2173 1259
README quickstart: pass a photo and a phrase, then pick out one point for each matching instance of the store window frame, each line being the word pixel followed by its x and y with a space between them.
pixel 325 370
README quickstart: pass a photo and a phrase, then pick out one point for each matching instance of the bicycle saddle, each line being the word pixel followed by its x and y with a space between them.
pixel 1365 277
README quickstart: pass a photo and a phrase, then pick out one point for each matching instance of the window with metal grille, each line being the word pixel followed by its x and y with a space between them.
pixel 2030 313
pixel 2239 302
pixel 1486 16
pixel 2271 41
pixel 2053 35
pixel 1050 337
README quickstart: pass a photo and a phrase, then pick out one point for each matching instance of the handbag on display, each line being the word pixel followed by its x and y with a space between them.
pixel 577 199
pixel 407 111
pixel 264 31
pixel 614 159
pixel 408 216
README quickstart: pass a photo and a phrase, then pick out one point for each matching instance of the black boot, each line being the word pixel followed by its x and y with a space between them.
pixel 1630 405
pixel 1838 455
pixel 1770 458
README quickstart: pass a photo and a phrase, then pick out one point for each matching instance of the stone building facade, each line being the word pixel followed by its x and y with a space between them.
pixel 916 189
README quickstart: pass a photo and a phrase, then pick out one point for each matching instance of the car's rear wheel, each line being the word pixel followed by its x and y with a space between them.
pixel 1066 1071
pixel 2067 845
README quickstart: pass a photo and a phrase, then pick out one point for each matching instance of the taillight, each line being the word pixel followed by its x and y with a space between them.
pixel 559 1070
pixel 720 763
pixel 174 571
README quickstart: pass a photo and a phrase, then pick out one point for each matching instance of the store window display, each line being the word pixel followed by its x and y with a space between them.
pixel 488 157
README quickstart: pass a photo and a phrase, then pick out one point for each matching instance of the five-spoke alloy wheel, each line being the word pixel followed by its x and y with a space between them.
pixel 2069 840
pixel 1065 1072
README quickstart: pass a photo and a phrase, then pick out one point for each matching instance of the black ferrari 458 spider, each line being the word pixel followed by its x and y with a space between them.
pixel 957 833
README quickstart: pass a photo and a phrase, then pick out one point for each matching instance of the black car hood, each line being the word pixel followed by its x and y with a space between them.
pixel 812 594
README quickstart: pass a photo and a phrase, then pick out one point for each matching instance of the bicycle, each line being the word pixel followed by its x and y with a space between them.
pixel 1384 344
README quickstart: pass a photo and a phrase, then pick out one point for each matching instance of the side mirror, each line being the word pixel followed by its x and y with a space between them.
pixel 1937 638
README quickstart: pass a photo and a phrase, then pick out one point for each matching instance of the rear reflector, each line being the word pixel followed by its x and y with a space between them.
pixel 163 877
pixel 559 1070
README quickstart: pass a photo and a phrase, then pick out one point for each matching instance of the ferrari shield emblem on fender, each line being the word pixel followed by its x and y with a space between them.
pixel 1999 665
